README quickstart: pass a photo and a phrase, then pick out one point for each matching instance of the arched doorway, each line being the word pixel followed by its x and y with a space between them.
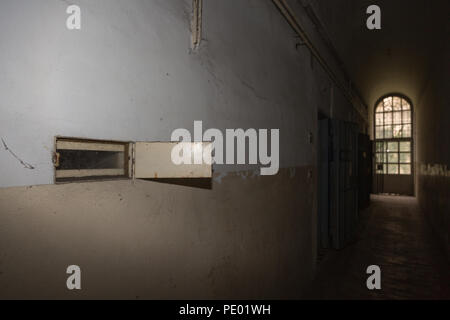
pixel 393 130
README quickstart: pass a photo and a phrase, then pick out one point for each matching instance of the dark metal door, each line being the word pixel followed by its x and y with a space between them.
pixel 343 182
pixel 323 185
pixel 364 170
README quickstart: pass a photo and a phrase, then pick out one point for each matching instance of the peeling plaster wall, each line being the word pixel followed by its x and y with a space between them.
pixel 130 75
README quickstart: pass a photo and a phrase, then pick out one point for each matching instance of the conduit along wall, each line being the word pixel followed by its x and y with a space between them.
pixel 350 94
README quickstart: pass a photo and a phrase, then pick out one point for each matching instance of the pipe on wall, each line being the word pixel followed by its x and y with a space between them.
pixel 289 15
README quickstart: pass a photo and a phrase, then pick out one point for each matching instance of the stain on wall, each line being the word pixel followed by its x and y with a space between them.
pixel 433 139
pixel 245 238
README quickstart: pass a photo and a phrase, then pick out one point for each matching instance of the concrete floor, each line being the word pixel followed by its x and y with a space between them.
pixel 394 235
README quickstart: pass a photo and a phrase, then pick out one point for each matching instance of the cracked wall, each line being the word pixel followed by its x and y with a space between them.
pixel 130 74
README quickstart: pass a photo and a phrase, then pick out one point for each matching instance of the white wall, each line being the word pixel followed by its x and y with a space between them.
pixel 129 74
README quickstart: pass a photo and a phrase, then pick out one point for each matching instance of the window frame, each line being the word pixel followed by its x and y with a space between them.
pixel 384 153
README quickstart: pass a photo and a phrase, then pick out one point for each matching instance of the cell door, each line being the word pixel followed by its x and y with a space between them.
pixel 343 182
pixel 323 186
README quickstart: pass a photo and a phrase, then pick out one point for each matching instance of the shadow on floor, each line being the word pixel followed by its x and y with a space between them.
pixel 394 235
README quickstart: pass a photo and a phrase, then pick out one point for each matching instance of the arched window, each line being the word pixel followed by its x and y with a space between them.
pixel 393 136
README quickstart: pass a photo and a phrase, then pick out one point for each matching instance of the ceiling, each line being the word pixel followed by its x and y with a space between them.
pixel 396 58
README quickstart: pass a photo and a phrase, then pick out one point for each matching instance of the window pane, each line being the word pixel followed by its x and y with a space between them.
pixel 380 107
pixel 379 147
pixel 407 131
pixel 379 119
pixel 392 147
pixel 406 116
pixel 388 132
pixel 397 133
pixel 379 133
pixel 392 157
pixel 397 103
pixel 393 169
pixel 388 104
pixel 405 146
pixel 388 118
pixel 397 117
pixel 381 168
pixel 380 157
pixel 405 169
pixel 405 105
pixel 405 157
